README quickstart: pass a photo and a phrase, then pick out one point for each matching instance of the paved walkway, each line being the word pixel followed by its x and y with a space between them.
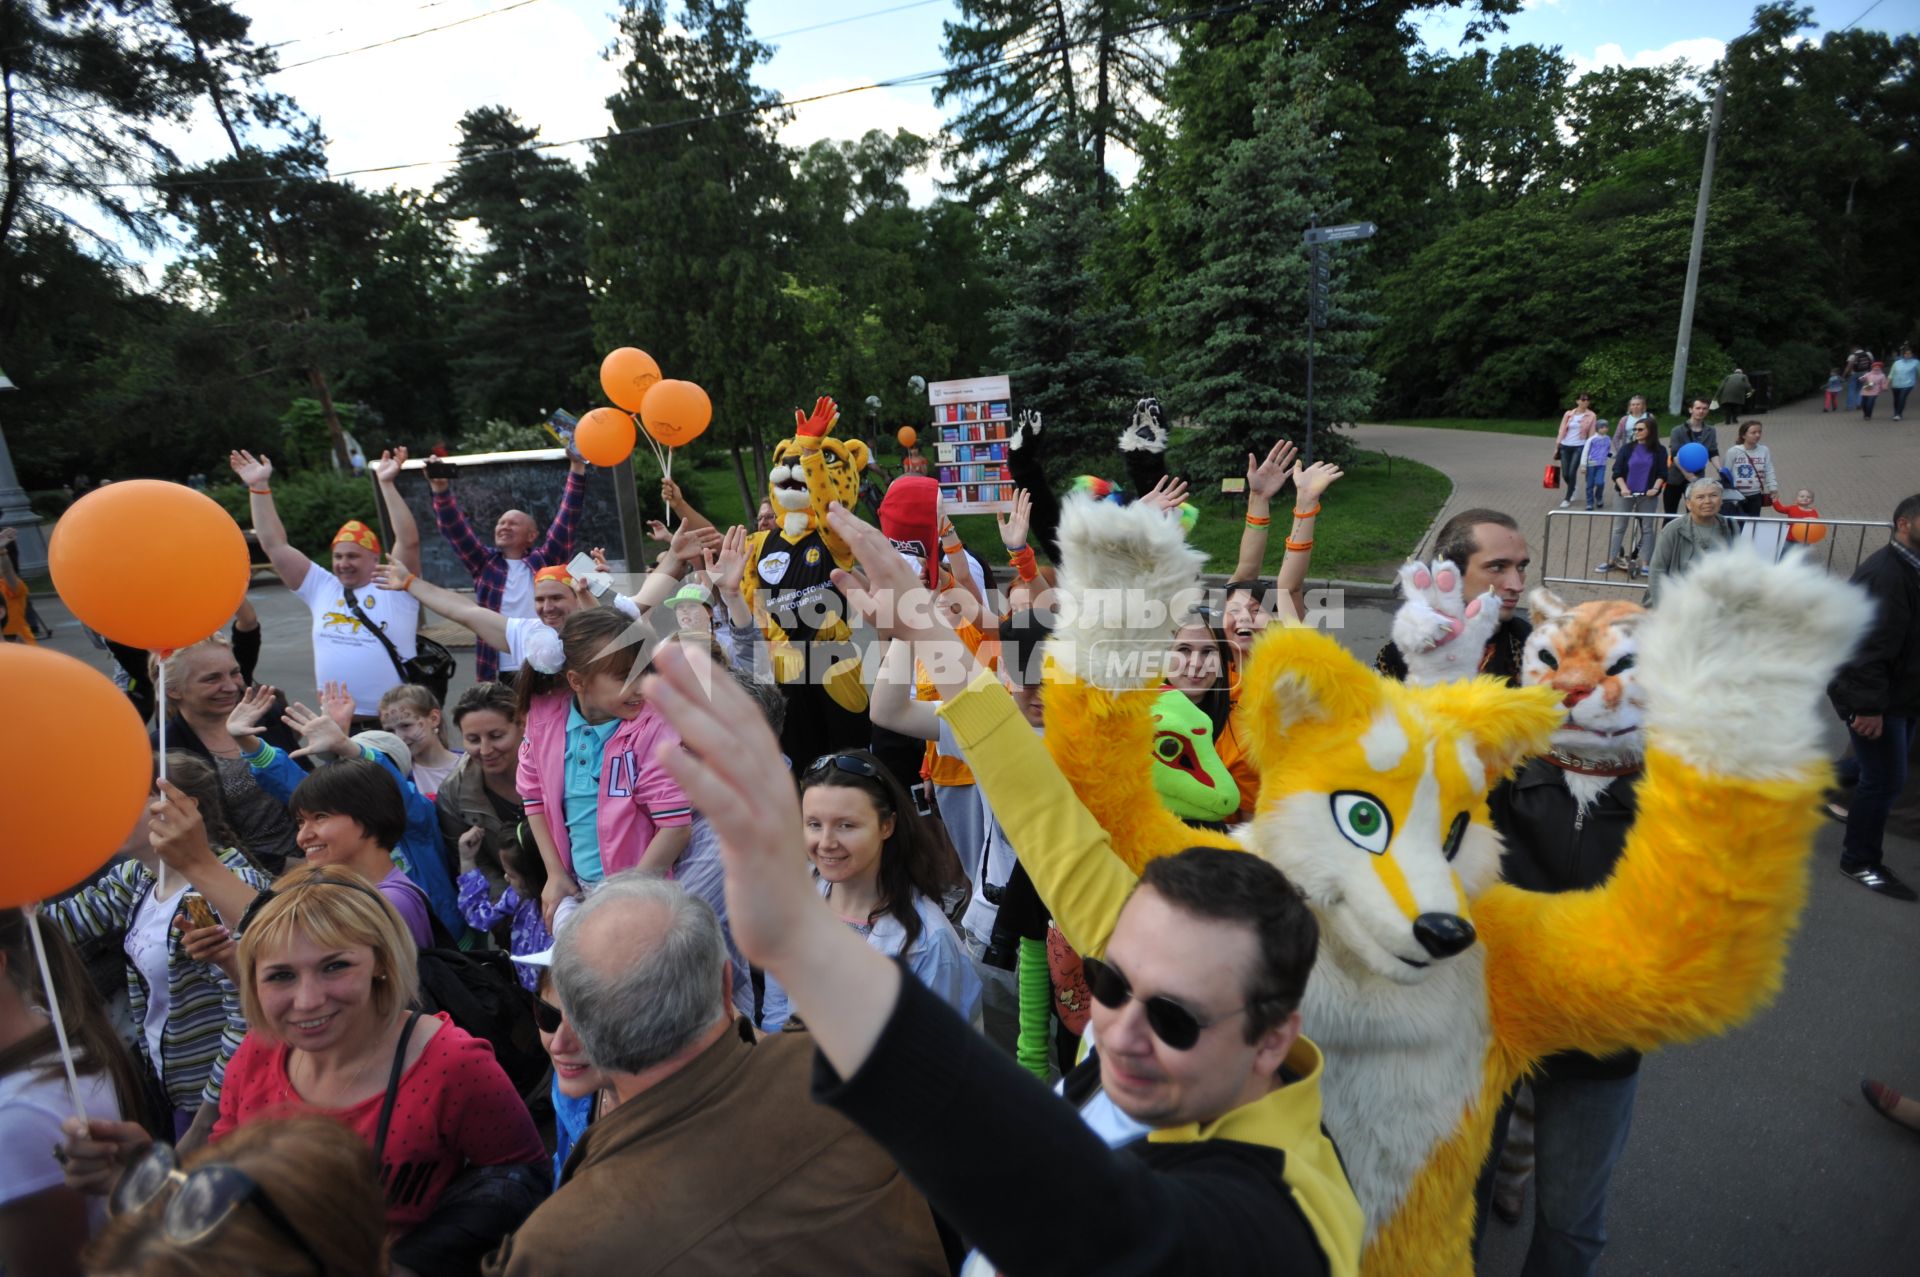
pixel 1857 469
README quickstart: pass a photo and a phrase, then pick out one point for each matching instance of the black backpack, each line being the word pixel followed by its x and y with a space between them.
pixel 481 991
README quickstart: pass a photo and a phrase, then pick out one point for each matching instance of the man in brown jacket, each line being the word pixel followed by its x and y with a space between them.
pixel 716 1160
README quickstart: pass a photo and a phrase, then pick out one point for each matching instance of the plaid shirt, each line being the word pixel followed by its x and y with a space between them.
pixel 488 567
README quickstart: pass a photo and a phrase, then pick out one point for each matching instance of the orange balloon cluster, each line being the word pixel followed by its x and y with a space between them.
pixel 604 436
pixel 151 564
pixel 675 412
pixel 626 375
pixel 908 436
pixel 60 821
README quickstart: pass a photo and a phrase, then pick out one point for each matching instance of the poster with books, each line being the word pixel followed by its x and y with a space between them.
pixel 972 421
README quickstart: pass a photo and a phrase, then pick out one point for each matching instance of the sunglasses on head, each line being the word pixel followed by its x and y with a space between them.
pixel 203 1199
pixel 853 764
pixel 1172 1023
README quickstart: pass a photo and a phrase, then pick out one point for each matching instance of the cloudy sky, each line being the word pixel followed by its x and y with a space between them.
pixel 399 104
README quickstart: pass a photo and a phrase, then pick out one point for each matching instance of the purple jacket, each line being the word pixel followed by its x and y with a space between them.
pixel 636 796
pixel 488 567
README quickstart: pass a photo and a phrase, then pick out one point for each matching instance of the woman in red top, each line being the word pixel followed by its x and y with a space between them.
pixel 327 975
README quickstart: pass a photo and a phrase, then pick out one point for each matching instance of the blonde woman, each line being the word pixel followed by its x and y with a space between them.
pixel 328 976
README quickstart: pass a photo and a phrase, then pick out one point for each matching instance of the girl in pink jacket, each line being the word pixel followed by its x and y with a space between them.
pixel 596 800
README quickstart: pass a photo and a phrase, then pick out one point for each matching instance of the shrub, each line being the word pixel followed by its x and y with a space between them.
pixel 1798 368
pixel 1642 364
pixel 312 504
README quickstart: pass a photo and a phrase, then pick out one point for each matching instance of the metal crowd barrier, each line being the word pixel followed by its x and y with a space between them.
pixel 1578 540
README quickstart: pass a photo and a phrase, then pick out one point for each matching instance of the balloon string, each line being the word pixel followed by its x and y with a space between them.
pixel 53 1010
pixel 160 884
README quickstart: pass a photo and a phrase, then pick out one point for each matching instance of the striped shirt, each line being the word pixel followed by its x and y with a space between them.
pixel 204 1024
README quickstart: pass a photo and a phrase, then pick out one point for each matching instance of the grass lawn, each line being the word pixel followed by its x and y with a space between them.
pixel 1546 427
pixel 1372 517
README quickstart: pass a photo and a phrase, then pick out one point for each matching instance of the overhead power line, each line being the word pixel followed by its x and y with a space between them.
pixel 411 35
pixel 692 121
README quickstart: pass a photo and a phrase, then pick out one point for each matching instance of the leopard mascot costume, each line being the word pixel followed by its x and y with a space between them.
pixel 789 585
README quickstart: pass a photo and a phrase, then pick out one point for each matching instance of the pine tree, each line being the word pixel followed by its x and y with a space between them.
pixel 689 206
pixel 522 329
pixel 1067 345
pixel 1031 73
pixel 1235 326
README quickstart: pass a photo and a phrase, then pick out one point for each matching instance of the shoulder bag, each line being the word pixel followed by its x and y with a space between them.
pixel 431 666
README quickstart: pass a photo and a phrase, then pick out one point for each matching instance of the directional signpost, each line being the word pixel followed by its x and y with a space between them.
pixel 1320 282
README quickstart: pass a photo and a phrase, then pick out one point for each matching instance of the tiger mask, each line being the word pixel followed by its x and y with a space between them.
pixel 1587 654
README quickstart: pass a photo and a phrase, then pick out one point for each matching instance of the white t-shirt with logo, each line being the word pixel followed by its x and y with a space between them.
pixel 343 650
pixel 516 599
pixel 530 638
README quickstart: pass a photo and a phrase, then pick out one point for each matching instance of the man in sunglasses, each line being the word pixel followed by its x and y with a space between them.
pixel 1196 979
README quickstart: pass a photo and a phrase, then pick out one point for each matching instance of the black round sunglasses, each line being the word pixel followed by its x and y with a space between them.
pixel 1172 1023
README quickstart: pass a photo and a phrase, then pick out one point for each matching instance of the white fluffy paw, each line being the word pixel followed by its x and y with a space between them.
pixel 1736 659
pixel 1127 579
pixel 1028 423
pixel 1441 634
pixel 1148 430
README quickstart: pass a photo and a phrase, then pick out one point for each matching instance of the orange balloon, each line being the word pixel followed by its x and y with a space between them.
pixel 75 769
pixel 1807 533
pixel 626 375
pixel 150 564
pixel 605 436
pixel 676 412
pixel 908 436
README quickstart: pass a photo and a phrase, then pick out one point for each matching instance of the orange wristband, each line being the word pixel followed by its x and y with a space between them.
pixel 1258 520
pixel 1298 545
pixel 1298 513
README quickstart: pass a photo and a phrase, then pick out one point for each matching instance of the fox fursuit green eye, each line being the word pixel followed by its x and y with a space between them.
pixel 1362 819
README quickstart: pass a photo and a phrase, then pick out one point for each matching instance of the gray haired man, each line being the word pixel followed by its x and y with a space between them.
pixel 716 1160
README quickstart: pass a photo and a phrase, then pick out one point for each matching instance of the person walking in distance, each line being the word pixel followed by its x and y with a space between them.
pixel 1901 378
pixel 1734 393
pixel 1871 387
pixel 1639 476
pixel 1877 695
pixel 1576 424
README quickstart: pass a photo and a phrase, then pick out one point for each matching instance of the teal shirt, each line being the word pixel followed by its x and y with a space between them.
pixel 586 747
pixel 1903 373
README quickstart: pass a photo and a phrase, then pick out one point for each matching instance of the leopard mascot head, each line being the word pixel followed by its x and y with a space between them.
pixel 811 469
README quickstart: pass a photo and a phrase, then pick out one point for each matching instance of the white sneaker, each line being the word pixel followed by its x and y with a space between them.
pixel 1566 503
pixel 1603 567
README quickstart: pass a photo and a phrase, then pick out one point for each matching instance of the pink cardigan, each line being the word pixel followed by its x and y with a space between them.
pixel 636 796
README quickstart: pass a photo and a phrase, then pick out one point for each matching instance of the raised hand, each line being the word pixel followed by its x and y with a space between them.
pixel 243 723
pixel 825 414
pixel 1167 495
pixel 393 574
pixel 1266 478
pixel 1310 481
pixel 319 734
pixel 336 702
pixel 1014 524
pixel 728 564
pixel 176 830
pixel 8 536
pixel 671 494
pixel 688 542
pixel 251 470
pixel 887 592
pixel 387 468
pixel 599 556
pixel 657 531
pixel 1440 634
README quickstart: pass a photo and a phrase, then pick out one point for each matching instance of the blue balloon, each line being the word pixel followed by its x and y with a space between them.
pixel 1693 457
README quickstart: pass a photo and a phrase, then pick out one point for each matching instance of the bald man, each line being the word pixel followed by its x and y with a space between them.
pixel 503 573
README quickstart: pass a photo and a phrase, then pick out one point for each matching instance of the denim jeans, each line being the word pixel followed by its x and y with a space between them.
pixel 1853 391
pixel 1580 1129
pixel 1570 455
pixel 1596 488
pixel 1881 764
pixel 1645 506
pixel 1866 405
pixel 1900 394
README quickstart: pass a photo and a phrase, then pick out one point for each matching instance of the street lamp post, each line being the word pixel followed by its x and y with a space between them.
pixel 1320 283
